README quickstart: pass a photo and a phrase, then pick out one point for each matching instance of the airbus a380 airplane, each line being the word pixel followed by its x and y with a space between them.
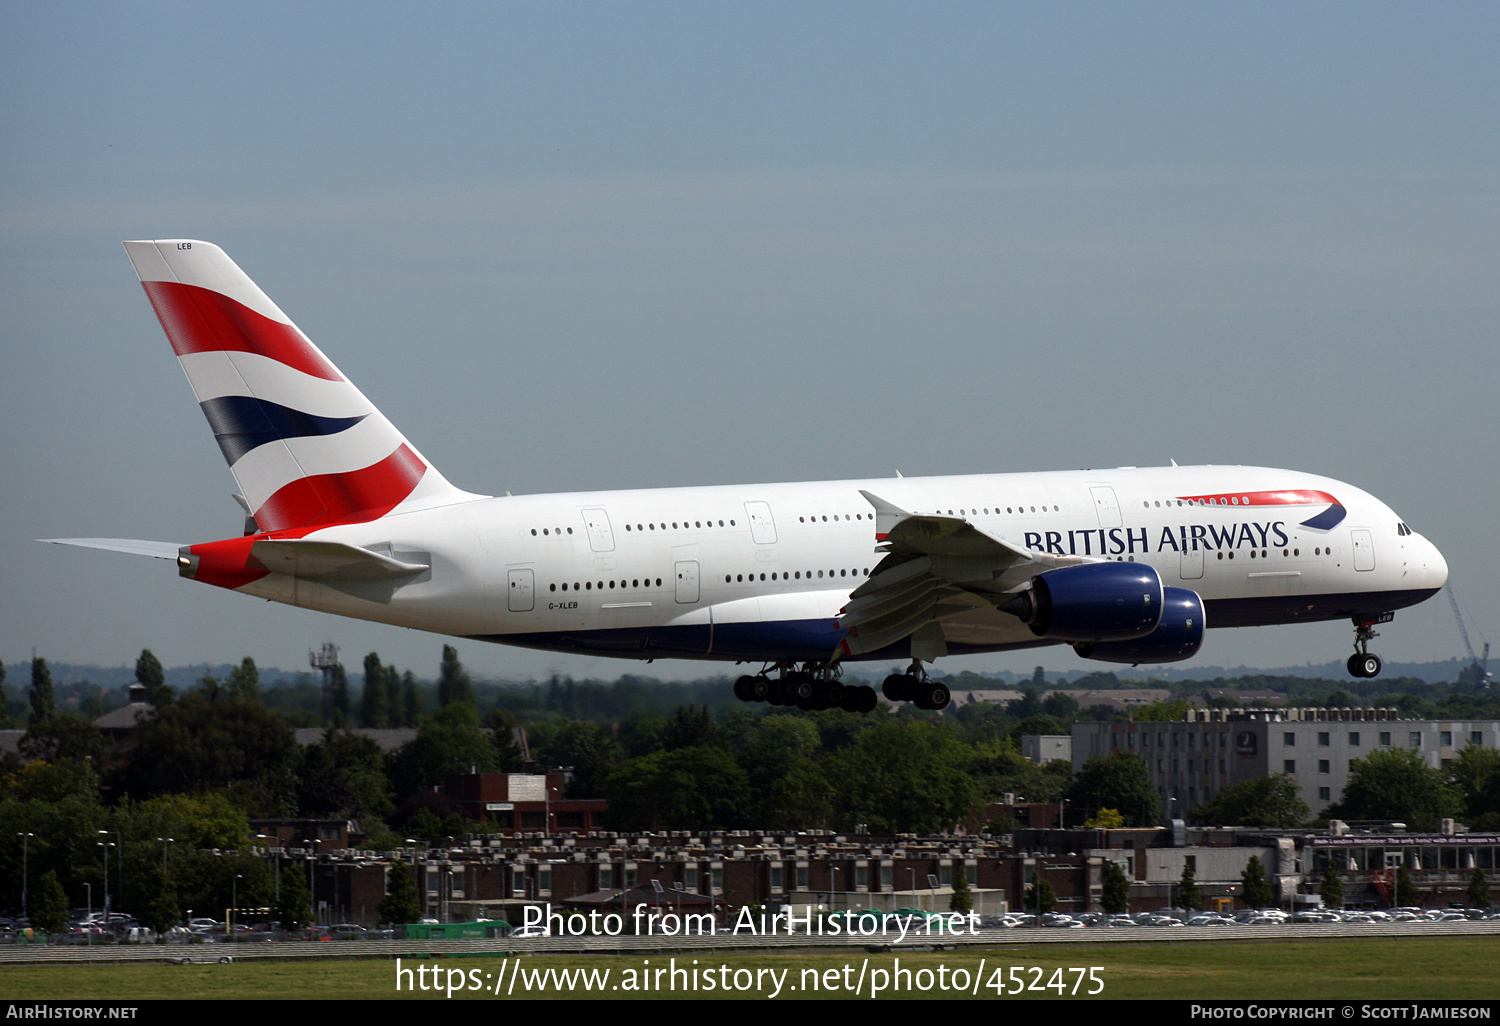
pixel 1126 565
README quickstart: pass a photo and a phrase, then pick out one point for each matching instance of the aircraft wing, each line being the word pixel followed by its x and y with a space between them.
pixel 936 567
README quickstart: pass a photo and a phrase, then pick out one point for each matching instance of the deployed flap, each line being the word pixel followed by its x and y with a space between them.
pixel 328 560
pixel 155 549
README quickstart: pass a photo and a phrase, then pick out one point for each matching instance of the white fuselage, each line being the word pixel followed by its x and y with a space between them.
pixel 761 572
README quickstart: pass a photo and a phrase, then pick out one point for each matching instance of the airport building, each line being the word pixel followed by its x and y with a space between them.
pixel 1190 762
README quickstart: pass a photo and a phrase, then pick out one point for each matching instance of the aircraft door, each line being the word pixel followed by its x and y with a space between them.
pixel 1192 561
pixel 601 538
pixel 520 596
pixel 762 527
pixel 1106 505
pixel 1364 549
pixel 687 580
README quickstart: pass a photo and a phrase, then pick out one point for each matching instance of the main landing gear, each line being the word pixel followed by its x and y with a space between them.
pixel 813 686
pixel 1364 663
pixel 916 687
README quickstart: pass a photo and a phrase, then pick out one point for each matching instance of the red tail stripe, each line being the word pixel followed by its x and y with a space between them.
pixel 1288 497
pixel 199 320
pixel 349 498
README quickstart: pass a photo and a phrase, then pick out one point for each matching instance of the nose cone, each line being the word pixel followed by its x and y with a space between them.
pixel 1432 568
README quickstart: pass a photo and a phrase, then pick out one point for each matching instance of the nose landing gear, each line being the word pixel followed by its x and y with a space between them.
pixel 1364 663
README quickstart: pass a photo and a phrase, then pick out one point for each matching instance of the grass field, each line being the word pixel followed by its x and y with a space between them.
pixel 1377 968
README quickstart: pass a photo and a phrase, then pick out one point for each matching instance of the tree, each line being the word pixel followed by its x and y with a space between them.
pixel 1273 801
pixel 1115 897
pixel 212 742
pixel 244 681
pixel 963 897
pixel 1188 895
pixel 411 699
pixel 1479 889
pixel 161 910
pixel 1116 782
pixel 510 757
pixel 448 742
pixel 338 712
pixel 49 905
pixel 374 708
pixel 67 736
pixel 1476 775
pixel 1040 897
pixel 401 903
pixel 293 907
pixel 1105 819
pixel 1332 888
pixel 686 789
pixel 453 680
pixel 43 702
pixel 1406 889
pixel 343 776
pixel 150 675
pixel 1396 784
pixel 1254 890
pixel 902 776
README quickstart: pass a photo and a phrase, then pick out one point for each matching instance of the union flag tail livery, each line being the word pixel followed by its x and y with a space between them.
pixel 1126 565
pixel 305 446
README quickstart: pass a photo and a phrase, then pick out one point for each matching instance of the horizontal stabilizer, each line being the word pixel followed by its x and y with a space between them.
pixel 155 549
pixel 328 561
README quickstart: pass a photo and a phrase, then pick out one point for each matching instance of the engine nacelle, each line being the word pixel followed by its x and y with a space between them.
pixel 1092 602
pixel 1177 637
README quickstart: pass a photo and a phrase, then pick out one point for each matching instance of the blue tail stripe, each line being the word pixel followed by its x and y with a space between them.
pixel 242 423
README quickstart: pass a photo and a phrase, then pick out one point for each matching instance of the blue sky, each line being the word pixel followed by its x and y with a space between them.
pixel 571 246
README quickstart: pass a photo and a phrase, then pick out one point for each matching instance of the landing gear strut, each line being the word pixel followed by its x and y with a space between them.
pixel 1364 663
pixel 916 687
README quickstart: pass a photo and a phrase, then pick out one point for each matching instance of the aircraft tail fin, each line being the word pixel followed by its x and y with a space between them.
pixel 305 446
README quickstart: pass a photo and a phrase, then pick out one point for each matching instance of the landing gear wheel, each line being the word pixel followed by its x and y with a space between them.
pixel 933 696
pixel 899 687
pixel 1369 665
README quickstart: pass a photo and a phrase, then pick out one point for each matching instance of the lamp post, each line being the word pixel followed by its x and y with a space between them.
pixel 234 900
pixel 25 854
pixel 262 837
pixel 164 842
pixel 106 845
pixel 421 863
pixel 120 876
pixel 312 877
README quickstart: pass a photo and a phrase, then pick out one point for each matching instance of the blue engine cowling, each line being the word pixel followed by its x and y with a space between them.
pixel 1177 637
pixel 1092 602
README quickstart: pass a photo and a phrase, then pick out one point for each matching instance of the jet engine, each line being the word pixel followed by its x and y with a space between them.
pixel 1092 602
pixel 1177 637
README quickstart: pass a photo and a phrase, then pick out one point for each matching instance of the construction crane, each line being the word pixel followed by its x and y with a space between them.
pixel 1477 664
